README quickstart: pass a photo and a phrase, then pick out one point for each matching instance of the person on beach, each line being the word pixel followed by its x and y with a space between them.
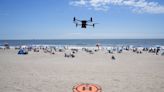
pixel 157 51
pixel 98 46
pixel 6 45
pixel 113 58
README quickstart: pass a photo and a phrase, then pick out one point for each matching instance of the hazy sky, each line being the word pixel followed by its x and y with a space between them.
pixel 53 19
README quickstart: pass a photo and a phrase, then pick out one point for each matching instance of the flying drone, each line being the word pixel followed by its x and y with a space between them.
pixel 84 23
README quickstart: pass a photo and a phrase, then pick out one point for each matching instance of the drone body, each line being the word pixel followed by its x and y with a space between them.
pixel 83 23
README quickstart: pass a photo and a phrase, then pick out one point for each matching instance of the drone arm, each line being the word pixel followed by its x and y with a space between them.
pixel 76 20
pixel 77 23
pixel 89 25
pixel 92 24
pixel 90 20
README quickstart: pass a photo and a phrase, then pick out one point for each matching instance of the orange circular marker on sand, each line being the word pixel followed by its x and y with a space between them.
pixel 87 88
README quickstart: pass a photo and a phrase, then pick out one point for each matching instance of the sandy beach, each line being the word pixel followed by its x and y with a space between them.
pixel 43 72
pixel 81 45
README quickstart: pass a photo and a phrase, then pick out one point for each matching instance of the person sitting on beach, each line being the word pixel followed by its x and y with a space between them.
pixel 69 55
pixel 72 55
pixel 109 51
pixel 53 53
pixel 113 58
pixel 66 55
pixel 36 50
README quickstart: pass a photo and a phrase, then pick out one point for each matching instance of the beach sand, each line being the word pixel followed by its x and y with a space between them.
pixel 44 72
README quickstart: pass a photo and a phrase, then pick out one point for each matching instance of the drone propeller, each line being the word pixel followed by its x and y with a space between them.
pixel 74 19
pixel 94 24
pixel 91 19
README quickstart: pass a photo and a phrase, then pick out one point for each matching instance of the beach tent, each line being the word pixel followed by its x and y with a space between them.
pixel 162 47
pixel 162 52
pixel 131 47
pixel 140 48
pixel 22 52
pixel 119 49
pixel 110 49
pixel 24 47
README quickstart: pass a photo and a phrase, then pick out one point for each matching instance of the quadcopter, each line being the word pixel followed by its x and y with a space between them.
pixel 84 23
